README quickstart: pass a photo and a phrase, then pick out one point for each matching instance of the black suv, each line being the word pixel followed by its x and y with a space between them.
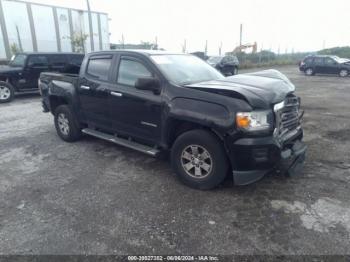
pixel 22 73
pixel 322 64
pixel 227 65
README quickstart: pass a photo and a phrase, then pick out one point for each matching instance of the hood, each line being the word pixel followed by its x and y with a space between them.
pixel 260 89
pixel 6 68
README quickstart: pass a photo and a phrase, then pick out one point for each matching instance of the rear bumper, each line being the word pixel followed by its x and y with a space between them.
pixel 252 158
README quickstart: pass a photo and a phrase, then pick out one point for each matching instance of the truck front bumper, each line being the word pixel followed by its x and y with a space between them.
pixel 252 158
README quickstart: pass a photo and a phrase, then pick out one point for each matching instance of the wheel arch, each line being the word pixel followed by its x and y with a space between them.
pixel 177 127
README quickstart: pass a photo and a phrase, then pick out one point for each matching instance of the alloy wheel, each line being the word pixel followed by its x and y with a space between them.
pixel 5 93
pixel 63 124
pixel 196 161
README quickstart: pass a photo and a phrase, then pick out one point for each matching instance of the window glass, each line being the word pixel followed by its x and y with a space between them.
pixel 186 69
pixel 99 68
pixel 76 60
pixel 18 61
pixel 130 71
pixel 308 60
pixel 329 61
pixel 38 61
pixel 318 60
pixel 58 60
pixel 64 28
pixel 44 28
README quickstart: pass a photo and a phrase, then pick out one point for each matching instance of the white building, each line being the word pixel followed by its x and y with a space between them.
pixel 43 28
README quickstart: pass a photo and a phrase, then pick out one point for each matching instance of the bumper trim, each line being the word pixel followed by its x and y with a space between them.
pixel 291 163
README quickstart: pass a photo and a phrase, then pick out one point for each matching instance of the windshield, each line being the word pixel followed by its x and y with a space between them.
pixel 186 69
pixel 214 59
pixel 340 60
pixel 18 61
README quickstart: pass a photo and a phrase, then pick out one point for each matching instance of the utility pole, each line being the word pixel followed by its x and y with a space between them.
pixel 156 43
pixel 220 48
pixel 123 41
pixel 240 34
pixel 184 46
pixel 206 47
pixel 90 26
pixel 19 39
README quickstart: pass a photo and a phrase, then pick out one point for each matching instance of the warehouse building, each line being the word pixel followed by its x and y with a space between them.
pixel 35 27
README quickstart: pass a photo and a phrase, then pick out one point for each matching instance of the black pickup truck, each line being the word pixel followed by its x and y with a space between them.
pixel 22 73
pixel 157 102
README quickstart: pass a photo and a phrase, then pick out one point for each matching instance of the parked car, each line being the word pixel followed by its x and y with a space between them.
pixel 22 73
pixel 156 102
pixel 324 64
pixel 227 65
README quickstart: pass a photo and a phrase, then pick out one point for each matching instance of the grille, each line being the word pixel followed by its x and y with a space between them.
pixel 287 115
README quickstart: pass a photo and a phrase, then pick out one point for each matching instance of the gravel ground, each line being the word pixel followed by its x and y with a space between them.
pixel 92 197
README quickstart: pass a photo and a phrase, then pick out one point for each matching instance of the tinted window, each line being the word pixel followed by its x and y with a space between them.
pixel 76 60
pixel 318 60
pixel 38 61
pixel 99 68
pixel 58 60
pixel 308 60
pixel 130 71
pixel 18 61
pixel 329 61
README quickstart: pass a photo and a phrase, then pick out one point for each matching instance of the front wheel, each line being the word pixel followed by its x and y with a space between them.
pixel 7 92
pixel 343 73
pixel 66 124
pixel 199 159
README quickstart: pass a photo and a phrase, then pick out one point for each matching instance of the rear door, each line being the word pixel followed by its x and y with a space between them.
pixel 135 113
pixel 319 65
pixel 93 91
pixel 35 65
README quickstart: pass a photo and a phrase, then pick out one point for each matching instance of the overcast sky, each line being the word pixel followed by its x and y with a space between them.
pixel 274 24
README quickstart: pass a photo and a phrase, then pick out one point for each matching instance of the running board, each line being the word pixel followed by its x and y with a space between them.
pixel 122 142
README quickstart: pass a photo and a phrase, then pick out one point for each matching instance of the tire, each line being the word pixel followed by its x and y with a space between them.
pixel 309 71
pixel 209 165
pixel 7 92
pixel 235 71
pixel 66 124
pixel 343 73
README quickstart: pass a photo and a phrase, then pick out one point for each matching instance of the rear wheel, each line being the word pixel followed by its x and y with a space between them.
pixel 309 72
pixel 235 71
pixel 343 73
pixel 66 124
pixel 7 92
pixel 199 159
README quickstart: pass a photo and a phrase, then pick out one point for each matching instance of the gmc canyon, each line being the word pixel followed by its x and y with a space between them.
pixel 155 101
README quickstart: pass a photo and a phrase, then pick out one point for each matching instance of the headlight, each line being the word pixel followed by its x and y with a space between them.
pixel 255 120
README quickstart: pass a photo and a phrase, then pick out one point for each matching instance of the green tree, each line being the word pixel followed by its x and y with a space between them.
pixel 15 49
pixel 78 42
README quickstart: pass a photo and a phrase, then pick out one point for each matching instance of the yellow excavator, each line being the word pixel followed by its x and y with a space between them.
pixel 241 48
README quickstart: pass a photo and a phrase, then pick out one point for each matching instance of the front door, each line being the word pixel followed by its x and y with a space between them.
pixel 330 66
pixel 36 64
pixel 135 113
pixel 93 92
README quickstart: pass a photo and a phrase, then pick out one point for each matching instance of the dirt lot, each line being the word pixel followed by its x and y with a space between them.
pixel 92 197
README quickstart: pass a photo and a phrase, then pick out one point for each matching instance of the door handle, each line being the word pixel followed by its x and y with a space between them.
pixel 85 87
pixel 116 94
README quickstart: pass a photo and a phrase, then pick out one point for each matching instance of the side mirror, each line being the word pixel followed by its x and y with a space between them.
pixel 148 83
